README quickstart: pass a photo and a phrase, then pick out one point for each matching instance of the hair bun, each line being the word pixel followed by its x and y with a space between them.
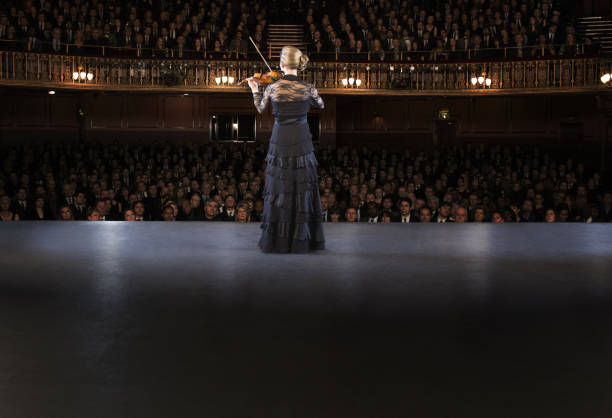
pixel 303 62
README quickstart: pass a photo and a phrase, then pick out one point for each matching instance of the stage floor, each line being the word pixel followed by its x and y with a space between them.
pixel 191 319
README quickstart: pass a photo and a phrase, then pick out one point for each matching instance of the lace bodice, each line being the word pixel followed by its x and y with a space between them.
pixel 289 96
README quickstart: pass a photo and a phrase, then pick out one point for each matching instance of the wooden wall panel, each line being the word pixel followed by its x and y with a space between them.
pixel 142 111
pixel 62 111
pixel 460 112
pixel 203 113
pixel 420 114
pixel 395 114
pixel 7 111
pixel 529 115
pixel 179 112
pixel 364 119
pixel 106 111
pixel 32 110
pixel 489 115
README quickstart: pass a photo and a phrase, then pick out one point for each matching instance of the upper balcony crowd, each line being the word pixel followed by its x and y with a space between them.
pixel 389 30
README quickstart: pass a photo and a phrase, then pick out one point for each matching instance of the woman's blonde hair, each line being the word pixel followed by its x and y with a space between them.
pixel 293 58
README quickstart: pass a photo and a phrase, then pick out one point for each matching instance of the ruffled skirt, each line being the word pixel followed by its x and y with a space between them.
pixel 292 217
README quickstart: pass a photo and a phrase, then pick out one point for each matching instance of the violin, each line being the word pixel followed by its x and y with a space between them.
pixel 265 78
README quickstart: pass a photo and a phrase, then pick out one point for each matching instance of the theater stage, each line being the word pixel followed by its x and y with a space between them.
pixel 190 319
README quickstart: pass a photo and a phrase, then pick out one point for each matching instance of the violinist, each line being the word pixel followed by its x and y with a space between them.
pixel 292 220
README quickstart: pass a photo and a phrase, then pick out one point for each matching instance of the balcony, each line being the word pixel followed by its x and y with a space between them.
pixel 507 71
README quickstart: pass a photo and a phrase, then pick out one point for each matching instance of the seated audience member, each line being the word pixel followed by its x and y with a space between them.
pixel 479 215
pixel 229 209
pixel 371 215
pixel 93 215
pixel 243 213
pixel 405 211
pixel 5 210
pixel 425 214
pixel 140 211
pixel 334 215
pixel 497 218
pixel 550 216
pixel 351 214
pixel 211 211
pixel 129 215
pixel 79 208
pixel 65 213
pixel 605 211
pixel 39 211
pixel 168 214
pixel 385 217
pixel 196 212
pixel 444 213
pixel 461 215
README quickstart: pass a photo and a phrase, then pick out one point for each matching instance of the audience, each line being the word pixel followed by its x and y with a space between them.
pixel 411 30
pixel 354 30
pixel 224 182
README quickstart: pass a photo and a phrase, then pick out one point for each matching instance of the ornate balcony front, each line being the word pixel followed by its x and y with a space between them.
pixel 578 73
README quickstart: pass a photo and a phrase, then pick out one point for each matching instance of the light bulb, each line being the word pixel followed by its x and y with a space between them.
pixel 474 81
pixel 83 74
pixel 75 75
pixel 358 82
pixel 89 76
pixel 488 82
pixel 344 81
pixel 217 80
pixel 224 79
pixel 230 79
pixel 351 81
pixel 51 92
pixel 606 78
pixel 481 80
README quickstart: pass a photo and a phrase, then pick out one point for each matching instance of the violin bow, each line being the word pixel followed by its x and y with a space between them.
pixel 262 57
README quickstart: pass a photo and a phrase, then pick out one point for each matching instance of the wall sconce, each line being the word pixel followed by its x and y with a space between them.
pixel 606 78
pixel 81 76
pixel 351 81
pixel 481 81
pixel 224 79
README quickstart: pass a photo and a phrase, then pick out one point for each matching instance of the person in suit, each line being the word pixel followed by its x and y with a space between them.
pixel 79 207
pixel 196 212
pixel 56 45
pixel 211 211
pixel 372 213
pixel 229 209
pixel 21 205
pixel 405 211
pixel 444 213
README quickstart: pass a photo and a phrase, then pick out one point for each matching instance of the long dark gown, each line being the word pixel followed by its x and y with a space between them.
pixel 292 219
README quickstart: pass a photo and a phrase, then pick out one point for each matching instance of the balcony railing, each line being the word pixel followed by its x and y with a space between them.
pixel 548 73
